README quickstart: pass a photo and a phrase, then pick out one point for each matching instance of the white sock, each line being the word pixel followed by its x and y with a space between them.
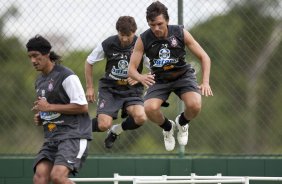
pixel 117 129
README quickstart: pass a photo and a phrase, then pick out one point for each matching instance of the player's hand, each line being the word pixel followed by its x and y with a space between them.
pixel 37 120
pixel 41 105
pixel 147 79
pixel 90 95
pixel 206 89
pixel 131 81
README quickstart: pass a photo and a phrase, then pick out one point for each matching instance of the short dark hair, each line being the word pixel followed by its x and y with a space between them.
pixel 155 9
pixel 126 25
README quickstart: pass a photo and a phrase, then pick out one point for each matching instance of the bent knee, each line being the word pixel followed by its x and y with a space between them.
pixel 39 178
pixel 193 110
pixel 196 106
pixel 149 108
pixel 140 118
pixel 104 125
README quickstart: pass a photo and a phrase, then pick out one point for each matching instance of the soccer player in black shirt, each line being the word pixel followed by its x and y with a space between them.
pixel 61 109
pixel 116 90
pixel 164 45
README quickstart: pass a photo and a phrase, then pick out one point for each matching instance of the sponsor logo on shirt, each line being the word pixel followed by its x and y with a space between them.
pixel 164 57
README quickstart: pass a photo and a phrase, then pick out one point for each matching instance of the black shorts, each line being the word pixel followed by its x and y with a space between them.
pixel 71 153
pixel 111 101
pixel 186 83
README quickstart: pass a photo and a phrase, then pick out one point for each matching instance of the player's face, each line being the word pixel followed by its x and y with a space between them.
pixel 38 60
pixel 126 39
pixel 159 26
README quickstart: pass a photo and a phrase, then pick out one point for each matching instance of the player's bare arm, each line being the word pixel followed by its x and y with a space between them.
pixel 203 57
pixel 136 57
pixel 90 93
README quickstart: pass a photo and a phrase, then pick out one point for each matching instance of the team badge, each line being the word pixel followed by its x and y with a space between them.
pixel 43 93
pixel 102 104
pixel 51 85
pixel 173 42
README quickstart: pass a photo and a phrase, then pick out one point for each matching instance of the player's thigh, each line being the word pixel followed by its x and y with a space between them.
pixel 191 99
pixel 71 154
pixel 134 106
pixel 134 110
pixel 43 167
pixel 153 104
pixel 45 157
pixel 138 113
pixel 59 171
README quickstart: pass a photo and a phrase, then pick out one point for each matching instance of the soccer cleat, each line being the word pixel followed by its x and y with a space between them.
pixel 169 138
pixel 110 139
pixel 182 134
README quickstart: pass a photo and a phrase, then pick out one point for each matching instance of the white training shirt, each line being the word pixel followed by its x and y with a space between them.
pixel 74 90
pixel 97 54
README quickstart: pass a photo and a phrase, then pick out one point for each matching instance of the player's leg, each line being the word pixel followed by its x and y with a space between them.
pixel 192 101
pixel 136 117
pixel 156 96
pixel 107 109
pixel 70 156
pixel 105 118
pixel 153 112
pixel 104 122
pixel 59 175
pixel 186 88
pixel 42 172
pixel 137 112
pixel 192 107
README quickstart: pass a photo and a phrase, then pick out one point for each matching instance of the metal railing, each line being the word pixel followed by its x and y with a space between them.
pixel 193 178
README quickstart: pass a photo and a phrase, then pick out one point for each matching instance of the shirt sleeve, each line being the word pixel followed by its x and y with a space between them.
pixel 74 90
pixel 97 54
pixel 146 61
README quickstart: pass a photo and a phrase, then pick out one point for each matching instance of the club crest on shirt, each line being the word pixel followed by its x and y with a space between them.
pixel 102 104
pixel 173 42
pixel 50 85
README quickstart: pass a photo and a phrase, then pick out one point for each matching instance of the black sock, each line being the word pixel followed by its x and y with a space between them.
pixel 129 124
pixel 183 120
pixel 166 125
pixel 95 127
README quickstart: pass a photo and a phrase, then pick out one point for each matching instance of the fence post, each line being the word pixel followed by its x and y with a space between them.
pixel 246 180
pixel 116 175
pixel 219 174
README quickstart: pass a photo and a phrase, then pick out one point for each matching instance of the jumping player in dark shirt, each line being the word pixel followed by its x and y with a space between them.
pixel 165 46
pixel 116 90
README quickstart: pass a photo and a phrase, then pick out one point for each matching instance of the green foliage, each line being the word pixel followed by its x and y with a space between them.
pixel 234 41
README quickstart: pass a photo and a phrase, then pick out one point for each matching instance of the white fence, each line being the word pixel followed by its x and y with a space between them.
pixel 193 179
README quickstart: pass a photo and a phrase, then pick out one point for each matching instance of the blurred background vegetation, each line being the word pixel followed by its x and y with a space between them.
pixel 243 39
